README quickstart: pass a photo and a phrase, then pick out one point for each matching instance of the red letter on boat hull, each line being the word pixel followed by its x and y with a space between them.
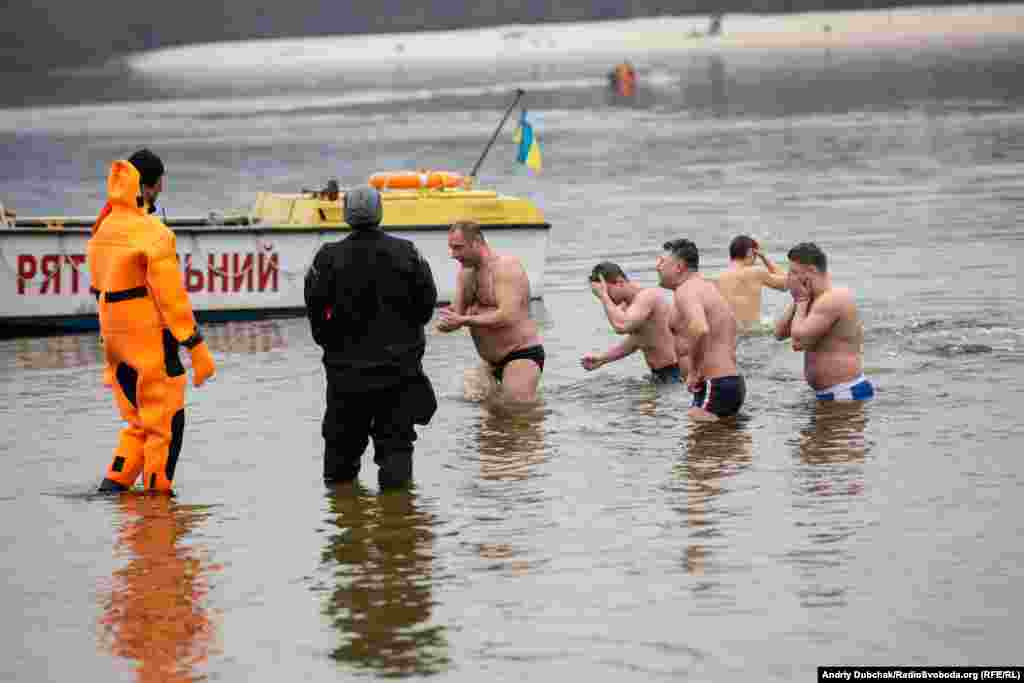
pixel 193 277
pixel 49 268
pixel 26 270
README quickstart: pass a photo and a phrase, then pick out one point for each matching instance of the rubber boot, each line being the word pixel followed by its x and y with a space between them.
pixel 111 486
pixel 395 470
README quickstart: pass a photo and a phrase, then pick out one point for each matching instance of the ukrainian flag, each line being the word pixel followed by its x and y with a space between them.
pixel 529 145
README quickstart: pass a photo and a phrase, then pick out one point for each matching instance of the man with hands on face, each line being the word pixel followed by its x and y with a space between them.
pixel 708 326
pixel 824 323
pixel 643 316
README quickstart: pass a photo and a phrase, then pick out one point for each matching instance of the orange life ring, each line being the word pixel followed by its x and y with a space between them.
pixel 416 180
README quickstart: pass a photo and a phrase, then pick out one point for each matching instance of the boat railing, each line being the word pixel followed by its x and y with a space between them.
pixel 62 222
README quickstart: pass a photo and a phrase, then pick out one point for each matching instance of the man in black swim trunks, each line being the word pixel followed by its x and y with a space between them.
pixel 706 321
pixel 640 313
pixel 492 299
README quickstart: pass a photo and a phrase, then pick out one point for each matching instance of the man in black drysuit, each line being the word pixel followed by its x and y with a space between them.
pixel 368 298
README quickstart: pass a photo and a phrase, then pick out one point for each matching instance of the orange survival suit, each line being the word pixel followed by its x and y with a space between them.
pixel 145 315
pixel 625 79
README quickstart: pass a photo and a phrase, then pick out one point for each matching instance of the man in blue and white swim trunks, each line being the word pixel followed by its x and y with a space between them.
pixel 823 322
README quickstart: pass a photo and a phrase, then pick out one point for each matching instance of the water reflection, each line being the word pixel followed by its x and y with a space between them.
pixel 704 86
pixel 45 353
pixel 834 434
pixel 381 596
pixel 831 449
pixel 85 350
pixel 715 451
pixel 155 612
pixel 253 336
pixel 511 444
pixel 511 441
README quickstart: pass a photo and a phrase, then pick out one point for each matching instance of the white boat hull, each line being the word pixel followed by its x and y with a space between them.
pixel 230 272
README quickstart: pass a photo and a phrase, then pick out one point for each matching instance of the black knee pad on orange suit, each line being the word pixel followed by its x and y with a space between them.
pixel 149 389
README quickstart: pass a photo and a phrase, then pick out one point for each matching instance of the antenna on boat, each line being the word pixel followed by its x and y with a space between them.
pixel 519 93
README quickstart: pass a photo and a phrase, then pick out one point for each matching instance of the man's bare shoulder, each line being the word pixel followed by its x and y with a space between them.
pixel 838 300
pixel 705 287
pixel 652 294
pixel 649 298
pixel 844 297
pixel 510 266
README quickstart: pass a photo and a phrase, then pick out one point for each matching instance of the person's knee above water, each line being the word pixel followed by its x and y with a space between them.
pixel 368 298
pixel 824 322
pixel 492 299
pixel 643 315
pixel 145 316
pixel 706 321
pixel 741 284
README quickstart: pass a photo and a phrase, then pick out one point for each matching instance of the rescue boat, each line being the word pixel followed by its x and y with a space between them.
pixel 252 264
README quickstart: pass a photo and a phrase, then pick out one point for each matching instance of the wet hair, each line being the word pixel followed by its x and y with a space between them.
pixel 809 254
pixel 469 229
pixel 149 166
pixel 607 270
pixel 741 246
pixel 684 250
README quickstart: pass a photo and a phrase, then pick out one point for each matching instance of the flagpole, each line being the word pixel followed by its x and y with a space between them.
pixel 519 93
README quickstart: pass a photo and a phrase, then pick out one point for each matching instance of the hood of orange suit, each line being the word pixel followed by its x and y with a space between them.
pixel 123 185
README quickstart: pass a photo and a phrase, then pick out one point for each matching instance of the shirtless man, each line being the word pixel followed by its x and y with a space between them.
pixel 742 283
pixel 641 314
pixel 492 299
pixel 705 320
pixel 824 323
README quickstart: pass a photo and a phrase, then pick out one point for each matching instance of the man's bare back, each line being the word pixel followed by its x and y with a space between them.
pixel 742 283
pixel 741 286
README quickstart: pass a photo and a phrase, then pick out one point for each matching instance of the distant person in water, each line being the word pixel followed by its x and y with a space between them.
pixel 824 323
pixel 492 299
pixel 643 315
pixel 707 324
pixel 623 78
pixel 742 283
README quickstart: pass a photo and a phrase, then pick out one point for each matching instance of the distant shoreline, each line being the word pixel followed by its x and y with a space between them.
pixel 941 27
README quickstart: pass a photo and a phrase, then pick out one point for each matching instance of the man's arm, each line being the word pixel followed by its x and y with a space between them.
pixel 628 346
pixel 317 292
pixel 810 325
pixel 692 311
pixel 459 301
pixel 774 277
pixel 631 319
pixel 784 323
pixel 424 290
pixel 510 289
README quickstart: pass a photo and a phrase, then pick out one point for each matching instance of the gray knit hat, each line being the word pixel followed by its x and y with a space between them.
pixel 363 207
